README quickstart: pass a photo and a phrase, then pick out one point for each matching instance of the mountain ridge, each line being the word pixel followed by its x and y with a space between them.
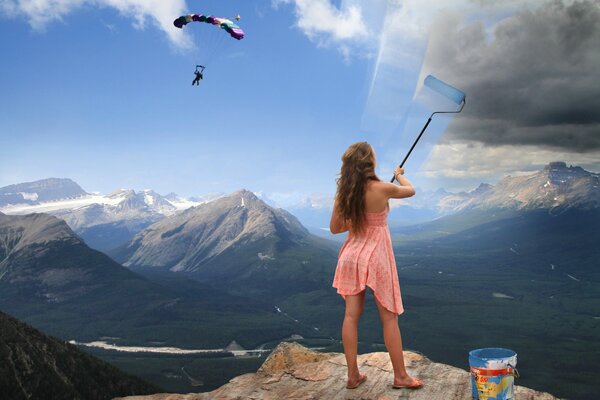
pixel 216 226
pixel 20 232
pixel 556 186
pixel 34 365
pixel 104 222
pixel 49 189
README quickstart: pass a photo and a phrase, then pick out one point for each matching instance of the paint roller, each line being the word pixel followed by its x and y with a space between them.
pixel 448 92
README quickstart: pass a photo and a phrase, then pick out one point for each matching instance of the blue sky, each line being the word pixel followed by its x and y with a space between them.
pixel 95 96
pixel 115 108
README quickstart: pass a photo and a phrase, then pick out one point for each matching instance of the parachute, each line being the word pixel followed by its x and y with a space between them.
pixel 234 30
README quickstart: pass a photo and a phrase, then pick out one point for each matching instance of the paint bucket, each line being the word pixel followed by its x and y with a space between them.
pixel 492 373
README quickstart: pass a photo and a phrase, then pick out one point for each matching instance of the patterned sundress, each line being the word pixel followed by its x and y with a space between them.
pixel 368 260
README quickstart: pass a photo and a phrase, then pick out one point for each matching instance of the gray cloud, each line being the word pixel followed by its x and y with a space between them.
pixel 536 81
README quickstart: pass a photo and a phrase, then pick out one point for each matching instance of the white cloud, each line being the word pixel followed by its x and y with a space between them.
pixel 160 13
pixel 348 27
pixel 316 17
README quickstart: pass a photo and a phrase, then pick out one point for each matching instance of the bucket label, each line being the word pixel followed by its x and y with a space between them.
pixel 492 386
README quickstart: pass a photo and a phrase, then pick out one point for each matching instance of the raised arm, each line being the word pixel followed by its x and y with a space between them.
pixel 400 191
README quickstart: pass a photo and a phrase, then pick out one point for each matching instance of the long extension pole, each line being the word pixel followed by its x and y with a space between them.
pixel 423 130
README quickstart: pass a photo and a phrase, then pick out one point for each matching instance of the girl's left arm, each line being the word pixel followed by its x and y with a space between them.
pixel 337 223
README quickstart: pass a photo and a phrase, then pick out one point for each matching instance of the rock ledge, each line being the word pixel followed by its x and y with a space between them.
pixel 294 372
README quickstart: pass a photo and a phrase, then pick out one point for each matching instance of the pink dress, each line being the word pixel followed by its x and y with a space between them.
pixel 368 260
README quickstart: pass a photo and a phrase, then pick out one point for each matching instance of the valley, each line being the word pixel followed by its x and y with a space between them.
pixel 509 267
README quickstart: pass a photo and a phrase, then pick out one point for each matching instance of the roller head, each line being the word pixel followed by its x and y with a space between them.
pixel 444 89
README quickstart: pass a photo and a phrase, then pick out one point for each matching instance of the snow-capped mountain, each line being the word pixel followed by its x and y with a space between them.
pixel 556 186
pixel 122 200
pixel 104 222
pixel 199 199
pixel 183 203
pixel 121 205
pixel 314 212
pixel 144 200
pixel 45 190
pixel 266 199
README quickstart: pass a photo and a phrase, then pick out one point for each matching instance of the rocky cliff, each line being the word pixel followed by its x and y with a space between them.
pixel 295 372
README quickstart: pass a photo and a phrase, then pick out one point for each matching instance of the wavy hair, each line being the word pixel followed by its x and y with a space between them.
pixel 358 166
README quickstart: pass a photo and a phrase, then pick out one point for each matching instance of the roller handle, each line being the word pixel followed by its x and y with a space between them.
pixel 413 146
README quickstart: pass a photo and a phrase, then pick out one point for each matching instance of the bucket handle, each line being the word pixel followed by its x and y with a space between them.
pixel 516 372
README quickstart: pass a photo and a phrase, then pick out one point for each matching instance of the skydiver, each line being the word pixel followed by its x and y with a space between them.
pixel 199 76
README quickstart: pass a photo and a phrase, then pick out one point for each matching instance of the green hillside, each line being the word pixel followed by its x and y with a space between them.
pixel 36 366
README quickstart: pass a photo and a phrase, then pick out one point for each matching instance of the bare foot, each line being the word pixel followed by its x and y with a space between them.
pixel 407 382
pixel 355 381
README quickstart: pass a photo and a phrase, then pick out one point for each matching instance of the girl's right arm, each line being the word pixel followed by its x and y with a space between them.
pixel 403 189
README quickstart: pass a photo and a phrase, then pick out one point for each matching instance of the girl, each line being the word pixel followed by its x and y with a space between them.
pixel 366 258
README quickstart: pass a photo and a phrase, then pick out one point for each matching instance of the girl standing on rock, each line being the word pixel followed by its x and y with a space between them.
pixel 367 258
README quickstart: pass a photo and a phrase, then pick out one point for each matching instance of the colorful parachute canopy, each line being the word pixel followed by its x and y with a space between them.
pixel 234 30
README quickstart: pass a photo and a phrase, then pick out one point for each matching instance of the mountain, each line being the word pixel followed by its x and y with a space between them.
pixel 183 203
pixel 104 222
pixel 37 192
pixel 238 240
pixel 314 213
pixel 51 279
pixel 552 191
pixel 555 187
pixel 206 198
pixel 104 226
pixel 30 247
pixel 36 366
pixel 130 200
pixel 262 196
pixel 229 222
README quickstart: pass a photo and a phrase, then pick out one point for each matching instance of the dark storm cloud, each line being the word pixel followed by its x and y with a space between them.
pixel 571 137
pixel 536 81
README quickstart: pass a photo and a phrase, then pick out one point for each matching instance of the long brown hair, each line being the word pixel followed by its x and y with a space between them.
pixel 358 166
